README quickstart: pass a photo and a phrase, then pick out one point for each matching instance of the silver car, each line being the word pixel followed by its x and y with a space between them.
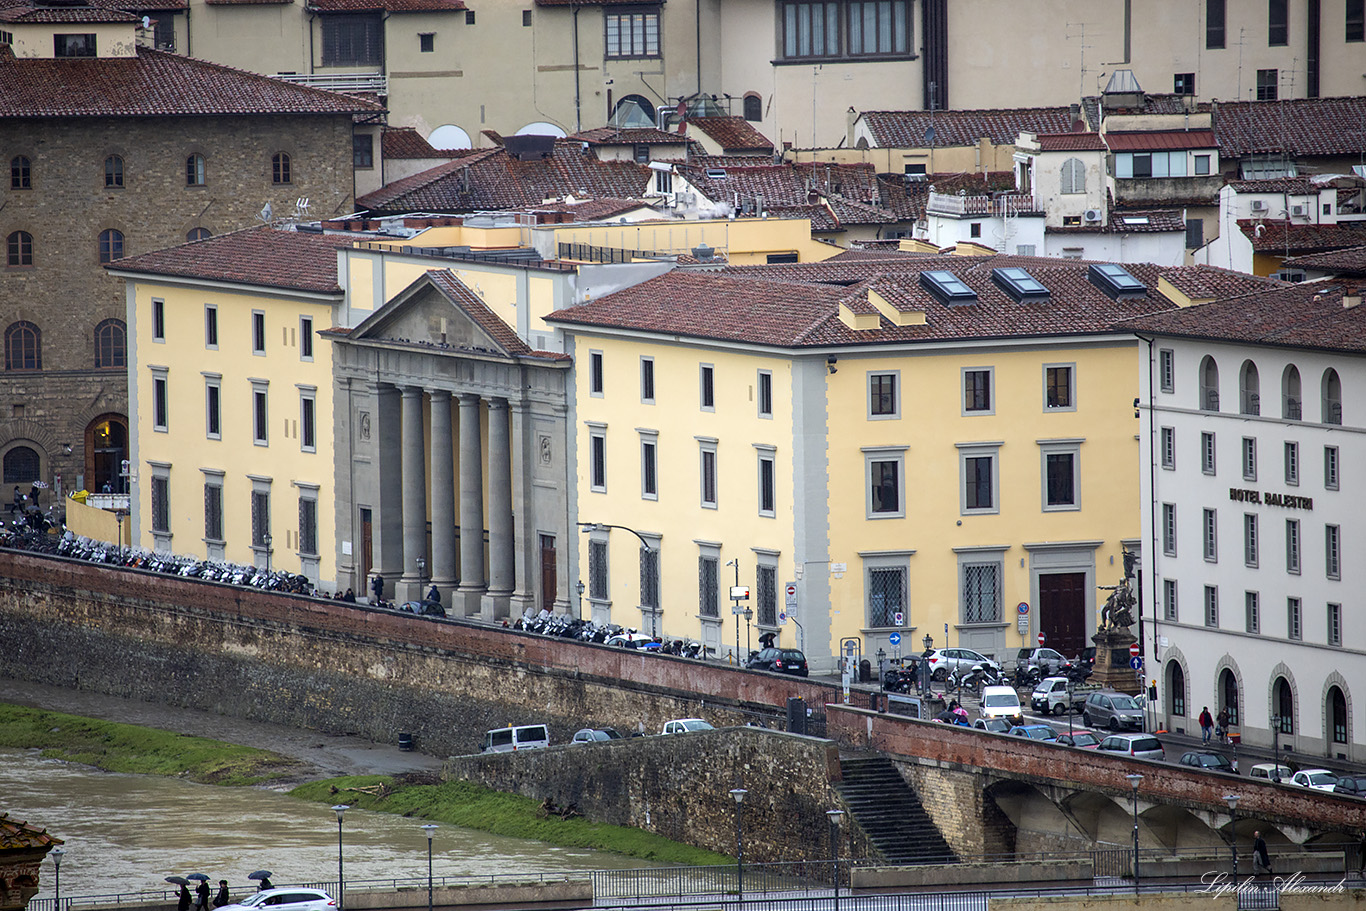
pixel 1138 746
pixel 943 661
pixel 288 898
pixel 1115 711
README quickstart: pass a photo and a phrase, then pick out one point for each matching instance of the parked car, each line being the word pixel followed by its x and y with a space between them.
pixel 995 725
pixel 685 725
pixel 1353 786
pixel 1046 659
pixel 1002 702
pixel 782 660
pixel 1139 746
pixel 1034 732
pixel 1269 771
pixel 510 739
pixel 1115 711
pixel 1086 658
pixel 1084 739
pixel 1058 695
pixel 1318 779
pixel 1214 762
pixel 944 661
pixel 287 898
pixel 595 735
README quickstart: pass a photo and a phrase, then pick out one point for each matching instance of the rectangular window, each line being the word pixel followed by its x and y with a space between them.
pixel 1168 447
pixel 886 596
pixel 982 593
pixel 213 408
pixel 258 332
pixel 210 326
pixel 308 433
pixel 1277 23
pixel 1249 459
pixel 647 380
pixel 810 29
pixel 1169 529
pixel 1330 468
pixel 305 338
pixel 597 461
pixel 426 42
pixel 765 381
pixel 352 40
pixel 649 483
pixel 81 45
pixel 1060 479
pixel 632 34
pixel 649 578
pixel 1356 21
pixel 213 510
pixel 1207 452
pixel 1292 463
pixel 1166 361
pixel 877 28
pixel 595 373
pixel 1214 24
pixel 1183 84
pixel 1210 524
pixel 1250 539
pixel 308 525
pixel 259 416
pixel 1211 605
pixel 708 586
pixel 1292 545
pixel 160 403
pixel 1252 607
pixel 766 595
pixel 362 151
pixel 158 320
pixel 598 587
pixel 709 478
pixel 526 18
pixel 886 486
pixel 977 391
pixel 161 504
pixel 767 488
pixel 882 397
pixel 978 490
pixel 1171 609
pixel 1058 392
pixel 1293 627
pixel 1332 552
pixel 260 517
pixel 1202 166
pixel 1268 85
pixel 1335 624
pixel 707 395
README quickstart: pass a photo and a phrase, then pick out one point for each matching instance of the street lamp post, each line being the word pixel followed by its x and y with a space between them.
pixel 739 795
pixel 925 665
pixel 429 828
pixel 1276 748
pixel 118 517
pixel 749 615
pixel 421 577
pixel 340 809
pixel 266 541
pixel 1135 780
pixel 57 855
pixel 579 587
pixel 1232 801
pixel 835 817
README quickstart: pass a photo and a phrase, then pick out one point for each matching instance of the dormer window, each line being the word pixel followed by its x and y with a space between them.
pixel 82 45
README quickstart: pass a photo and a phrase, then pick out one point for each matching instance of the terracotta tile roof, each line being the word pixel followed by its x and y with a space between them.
pixel 1301 126
pixel 406 142
pixel 1283 238
pixel 1293 185
pixel 592 209
pixel 1297 316
pixel 823 220
pixel 458 293
pixel 732 134
pixel 1155 140
pixel 491 179
pixel 263 256
pixel 16 834
pixel 247 2
pixel 615 136
pixel 1349 261
pixel 853 193
pixel 1071 142
pixel 906 129
pixel 154 83
pixel 588 2
pixel 388 6
pixel 1152 104
pixel 1209 282
pixel 1139 221
pixel 24 11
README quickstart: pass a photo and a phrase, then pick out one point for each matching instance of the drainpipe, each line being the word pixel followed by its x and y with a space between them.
pixel 578 124
pixel 311 52
pixel 697 29
pixel 1152 522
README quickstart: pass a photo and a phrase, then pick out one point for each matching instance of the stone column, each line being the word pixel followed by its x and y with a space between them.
pixel 471 590
pixel 414 495
pixel 443 497
pixel 501 555
pixel 388 487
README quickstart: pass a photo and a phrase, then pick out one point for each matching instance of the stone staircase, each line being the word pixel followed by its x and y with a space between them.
pixel 889 812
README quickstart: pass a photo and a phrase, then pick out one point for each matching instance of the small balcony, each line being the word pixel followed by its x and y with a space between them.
pixel 961 206
pixel 348 83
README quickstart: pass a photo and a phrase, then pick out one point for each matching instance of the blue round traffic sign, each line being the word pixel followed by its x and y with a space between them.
pixel 1136 663
pixel 894 638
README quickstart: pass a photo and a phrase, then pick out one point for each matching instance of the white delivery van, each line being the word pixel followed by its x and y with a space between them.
pixel 1002 702
pixel 513 738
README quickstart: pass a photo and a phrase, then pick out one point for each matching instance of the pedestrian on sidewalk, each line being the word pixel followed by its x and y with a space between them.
pixel 1206 724
pixel 1221 725
pixel 1261 860
pixel 183 898
pixel 377 586
pixel 222 898
pixel 201 892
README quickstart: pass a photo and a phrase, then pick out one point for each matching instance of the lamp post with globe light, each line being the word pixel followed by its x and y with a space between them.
pixel 739 795
pixel 340 809
pixel 835 817
pixel 430 829
pixel 1135 780
pixel 1232 801
pixel 57 854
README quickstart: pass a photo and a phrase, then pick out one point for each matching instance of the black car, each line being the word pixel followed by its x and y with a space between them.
pixel 782 660
pixel 1214 762
pixel 1351 785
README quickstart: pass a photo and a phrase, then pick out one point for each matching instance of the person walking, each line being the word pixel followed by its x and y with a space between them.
pixel 377 586
pixel 201 893
pixel 1206 725
pixel 434 594
pixel 265 884
pixel 1221 725
pixel 1261 860
pixel 222 898
pixel 183 898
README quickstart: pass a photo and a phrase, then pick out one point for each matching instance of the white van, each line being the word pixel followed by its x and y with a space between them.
pixel 1269 771
pixel 1002 702
pixel 510 739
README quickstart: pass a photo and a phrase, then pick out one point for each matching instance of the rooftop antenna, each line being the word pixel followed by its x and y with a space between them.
pixel 266 212
pixel 1081 34
pixel 301 208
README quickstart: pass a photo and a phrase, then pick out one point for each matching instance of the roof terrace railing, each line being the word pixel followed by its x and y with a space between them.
pixel 339 82
pixel 999 206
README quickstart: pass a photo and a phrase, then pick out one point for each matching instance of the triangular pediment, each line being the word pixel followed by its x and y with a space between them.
pixel 439 310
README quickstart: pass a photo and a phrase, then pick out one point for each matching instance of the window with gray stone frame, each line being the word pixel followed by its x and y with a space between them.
pixel 709 586
pixel 598 587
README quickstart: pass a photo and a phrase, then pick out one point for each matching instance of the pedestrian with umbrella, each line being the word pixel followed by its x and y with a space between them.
pixel 264 877
pixel 183 897
pixel 201 891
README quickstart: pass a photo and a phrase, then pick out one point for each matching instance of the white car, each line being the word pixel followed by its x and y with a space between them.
pixel 1318 779
pixel 685 725
pixel 286 898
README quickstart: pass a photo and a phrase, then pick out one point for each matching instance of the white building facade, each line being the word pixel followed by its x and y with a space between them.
pixel 1253 473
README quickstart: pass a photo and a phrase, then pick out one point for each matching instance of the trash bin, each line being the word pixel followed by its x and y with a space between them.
pixel 405 742
pixel 796 715
pixel 865 671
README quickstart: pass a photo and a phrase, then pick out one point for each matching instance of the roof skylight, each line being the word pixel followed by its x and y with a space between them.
pixel 1115 281
pixel 1019 284
pixel 947 287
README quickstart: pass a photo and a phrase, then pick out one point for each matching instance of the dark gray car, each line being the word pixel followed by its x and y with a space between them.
pixel 1114 711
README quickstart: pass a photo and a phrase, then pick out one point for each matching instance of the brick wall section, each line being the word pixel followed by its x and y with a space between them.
pixel 997 757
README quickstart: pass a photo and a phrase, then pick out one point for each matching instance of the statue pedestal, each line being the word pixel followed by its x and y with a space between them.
pixel 1112 662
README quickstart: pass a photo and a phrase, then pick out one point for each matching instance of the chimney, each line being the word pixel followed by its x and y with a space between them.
pixel 850 117
pixel 1351 297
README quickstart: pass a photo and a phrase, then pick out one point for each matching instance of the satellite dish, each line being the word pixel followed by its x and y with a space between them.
pixel 146 22
pixel 266 212
pixel 929 135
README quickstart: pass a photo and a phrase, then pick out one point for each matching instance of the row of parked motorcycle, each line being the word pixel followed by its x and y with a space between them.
pixel 548 623
pixel 971 679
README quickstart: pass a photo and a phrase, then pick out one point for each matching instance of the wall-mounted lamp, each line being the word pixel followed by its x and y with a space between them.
pixel 830 363
pixel 66 449
pixel 1136 407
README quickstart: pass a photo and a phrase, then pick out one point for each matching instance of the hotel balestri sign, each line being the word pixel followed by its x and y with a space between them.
pixel 1284 500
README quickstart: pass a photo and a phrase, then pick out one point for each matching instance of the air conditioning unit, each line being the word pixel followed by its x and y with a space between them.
pixel 1297 211
pixel 1092 216
pixel 1259 205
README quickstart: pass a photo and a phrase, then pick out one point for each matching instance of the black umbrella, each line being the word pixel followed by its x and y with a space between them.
pixel 197 876
pixel 260 874
pixel 178 880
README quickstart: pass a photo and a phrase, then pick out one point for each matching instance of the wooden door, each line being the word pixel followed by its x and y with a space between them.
pixel 367 554
pixel 1062 612
pixel 549 575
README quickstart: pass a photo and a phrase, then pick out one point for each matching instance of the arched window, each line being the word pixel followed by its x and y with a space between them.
pixel 1292 405
pixel 111 245
pixel 1209 384
pixel 1337 714
pixel 194 171
pixel 23 346
pixel 754 107
pixel 1073 176
pixel 21 466
pixel 1283 700
pixel 1176 688
pixel 20 173
pixel 19 249
pixel 111 348
pixel 113 171
pixel 106 446
pixel 279 168
pixel 1249 389
pixel 633 112
pixel 1332 397
pixel 1228 695
pixel 198 234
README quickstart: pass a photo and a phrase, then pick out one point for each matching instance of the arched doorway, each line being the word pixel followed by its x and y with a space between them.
pixel 1176 688
pixel 1283 704
pixel 106 446
pixel 1337 715
pixel 1228 695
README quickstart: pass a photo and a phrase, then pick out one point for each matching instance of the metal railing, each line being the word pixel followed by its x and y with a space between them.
pixel 339 82
pixel 999 206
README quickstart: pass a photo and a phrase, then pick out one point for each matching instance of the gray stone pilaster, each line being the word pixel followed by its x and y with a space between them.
pixel 414 495
pixel 443 497
pixel 388 474
pixel 500 510
pixel 472 586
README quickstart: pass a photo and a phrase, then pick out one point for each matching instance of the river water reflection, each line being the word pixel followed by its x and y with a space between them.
pixel 125 833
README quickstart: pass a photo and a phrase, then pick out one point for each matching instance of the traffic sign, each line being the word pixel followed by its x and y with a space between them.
pixel 1023 607
pixel 898 618
pixel 1136 663
pixel 894 638
pixel 1041 640
pixel 1134 650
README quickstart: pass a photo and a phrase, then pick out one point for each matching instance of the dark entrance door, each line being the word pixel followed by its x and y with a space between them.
pixel 367 554
pixel 549 579
pixel 1062 611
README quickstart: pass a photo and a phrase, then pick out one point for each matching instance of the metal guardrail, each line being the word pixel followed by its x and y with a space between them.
pixel 339 82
